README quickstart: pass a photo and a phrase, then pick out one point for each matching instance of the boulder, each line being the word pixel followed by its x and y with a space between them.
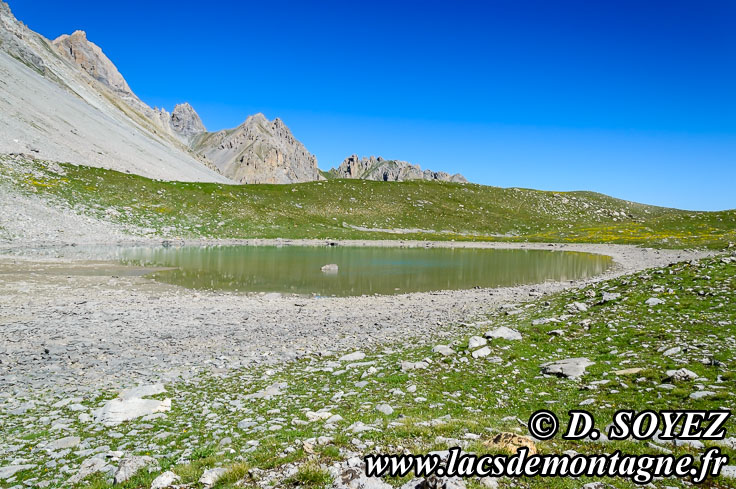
pixel 129 466
pixel 211 476
pixel 571 368
pixel 504 332
pixel 164 480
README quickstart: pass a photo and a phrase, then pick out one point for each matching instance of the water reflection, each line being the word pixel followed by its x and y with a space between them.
pixel 362 270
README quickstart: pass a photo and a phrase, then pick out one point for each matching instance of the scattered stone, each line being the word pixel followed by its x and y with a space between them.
pixel 330 268
pixel 269 392
pixel 164 480
pixel 576 307
pixel 353 357
pixel 62 443
pixel 476 341
pixel 142 391
pixel 653 301
pixel 482 352
pixel 434 482
pixel 211 476
pixel 571 368
pixel 610 296
pixel 504 332
pixel 129 466
pixel 511 442
pixel 489 482
pixel 701 394
pixel 10 470
pixel 118 410
pixel 407 366
pixel 629 371
pixel 385 409
pixel 682 374
pixel 443 350
pixel 89 467
pixel 672 351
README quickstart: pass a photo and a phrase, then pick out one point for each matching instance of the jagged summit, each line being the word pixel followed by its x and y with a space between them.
pixel 186 121
pixel 89 56
pixel 258 151
pixel 377 168
pixel 66 101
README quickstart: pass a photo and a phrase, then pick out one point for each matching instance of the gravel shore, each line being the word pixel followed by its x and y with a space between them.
pixel 71 324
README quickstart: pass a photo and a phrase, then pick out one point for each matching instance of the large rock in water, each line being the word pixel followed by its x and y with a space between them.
pixel 376 168
pixel 258 151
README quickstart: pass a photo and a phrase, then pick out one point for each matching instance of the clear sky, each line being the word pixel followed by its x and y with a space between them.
pixel 635 99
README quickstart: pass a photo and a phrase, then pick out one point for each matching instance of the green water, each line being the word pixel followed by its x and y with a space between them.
pixel 362 270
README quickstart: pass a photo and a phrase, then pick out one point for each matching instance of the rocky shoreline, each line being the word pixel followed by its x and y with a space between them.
pixel 71 324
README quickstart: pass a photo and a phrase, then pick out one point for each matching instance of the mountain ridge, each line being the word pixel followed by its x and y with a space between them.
pixel 75 106
pixel 380 169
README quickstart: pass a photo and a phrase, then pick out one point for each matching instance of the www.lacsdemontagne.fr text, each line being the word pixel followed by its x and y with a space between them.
pixel 641 469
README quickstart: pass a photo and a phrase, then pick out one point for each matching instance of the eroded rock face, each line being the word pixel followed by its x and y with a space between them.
pixel 88 56
pixel 185 121
pixel 259 151
pixel 12 34
pixel 376 168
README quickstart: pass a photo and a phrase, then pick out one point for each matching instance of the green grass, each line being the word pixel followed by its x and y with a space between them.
pixel 455 397
pixel 358 209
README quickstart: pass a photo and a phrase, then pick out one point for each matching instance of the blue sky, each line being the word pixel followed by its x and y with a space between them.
pixel 633 99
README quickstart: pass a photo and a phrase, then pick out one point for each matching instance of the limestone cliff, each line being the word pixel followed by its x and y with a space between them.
pixel 258 151
pixel 377 168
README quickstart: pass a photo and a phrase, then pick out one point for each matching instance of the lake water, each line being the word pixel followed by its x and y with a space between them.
pixel 361 270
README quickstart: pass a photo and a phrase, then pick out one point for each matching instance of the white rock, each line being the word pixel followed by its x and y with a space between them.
pixel 653 301
pixel 682 374
pixel 406 366
pixel 385 409
pixel 443 350
pixel 211 476
pixel 129 466
pixel 10 470
pixel 482 352
pixel 701 394
pixel 269 392
pixel 60 444
pixel 672 351
pixel 476 341
pixel 142 391
pixel 489 482
pixel 577 307
pixel 505 333
pixel 353 357
pixel 572 368
pixel 729 471
pixel 118 411
pixel 89 467
pixel 330 268
pixel 164 480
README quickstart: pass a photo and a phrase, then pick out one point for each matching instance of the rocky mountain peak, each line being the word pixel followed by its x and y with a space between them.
pixel 258 151
pixel 88 56
pixel 5 9
pixel 185 121
pixel 380 169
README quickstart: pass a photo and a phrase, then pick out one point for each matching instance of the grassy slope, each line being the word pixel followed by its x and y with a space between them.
pixel 455 396
pixel 335 208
